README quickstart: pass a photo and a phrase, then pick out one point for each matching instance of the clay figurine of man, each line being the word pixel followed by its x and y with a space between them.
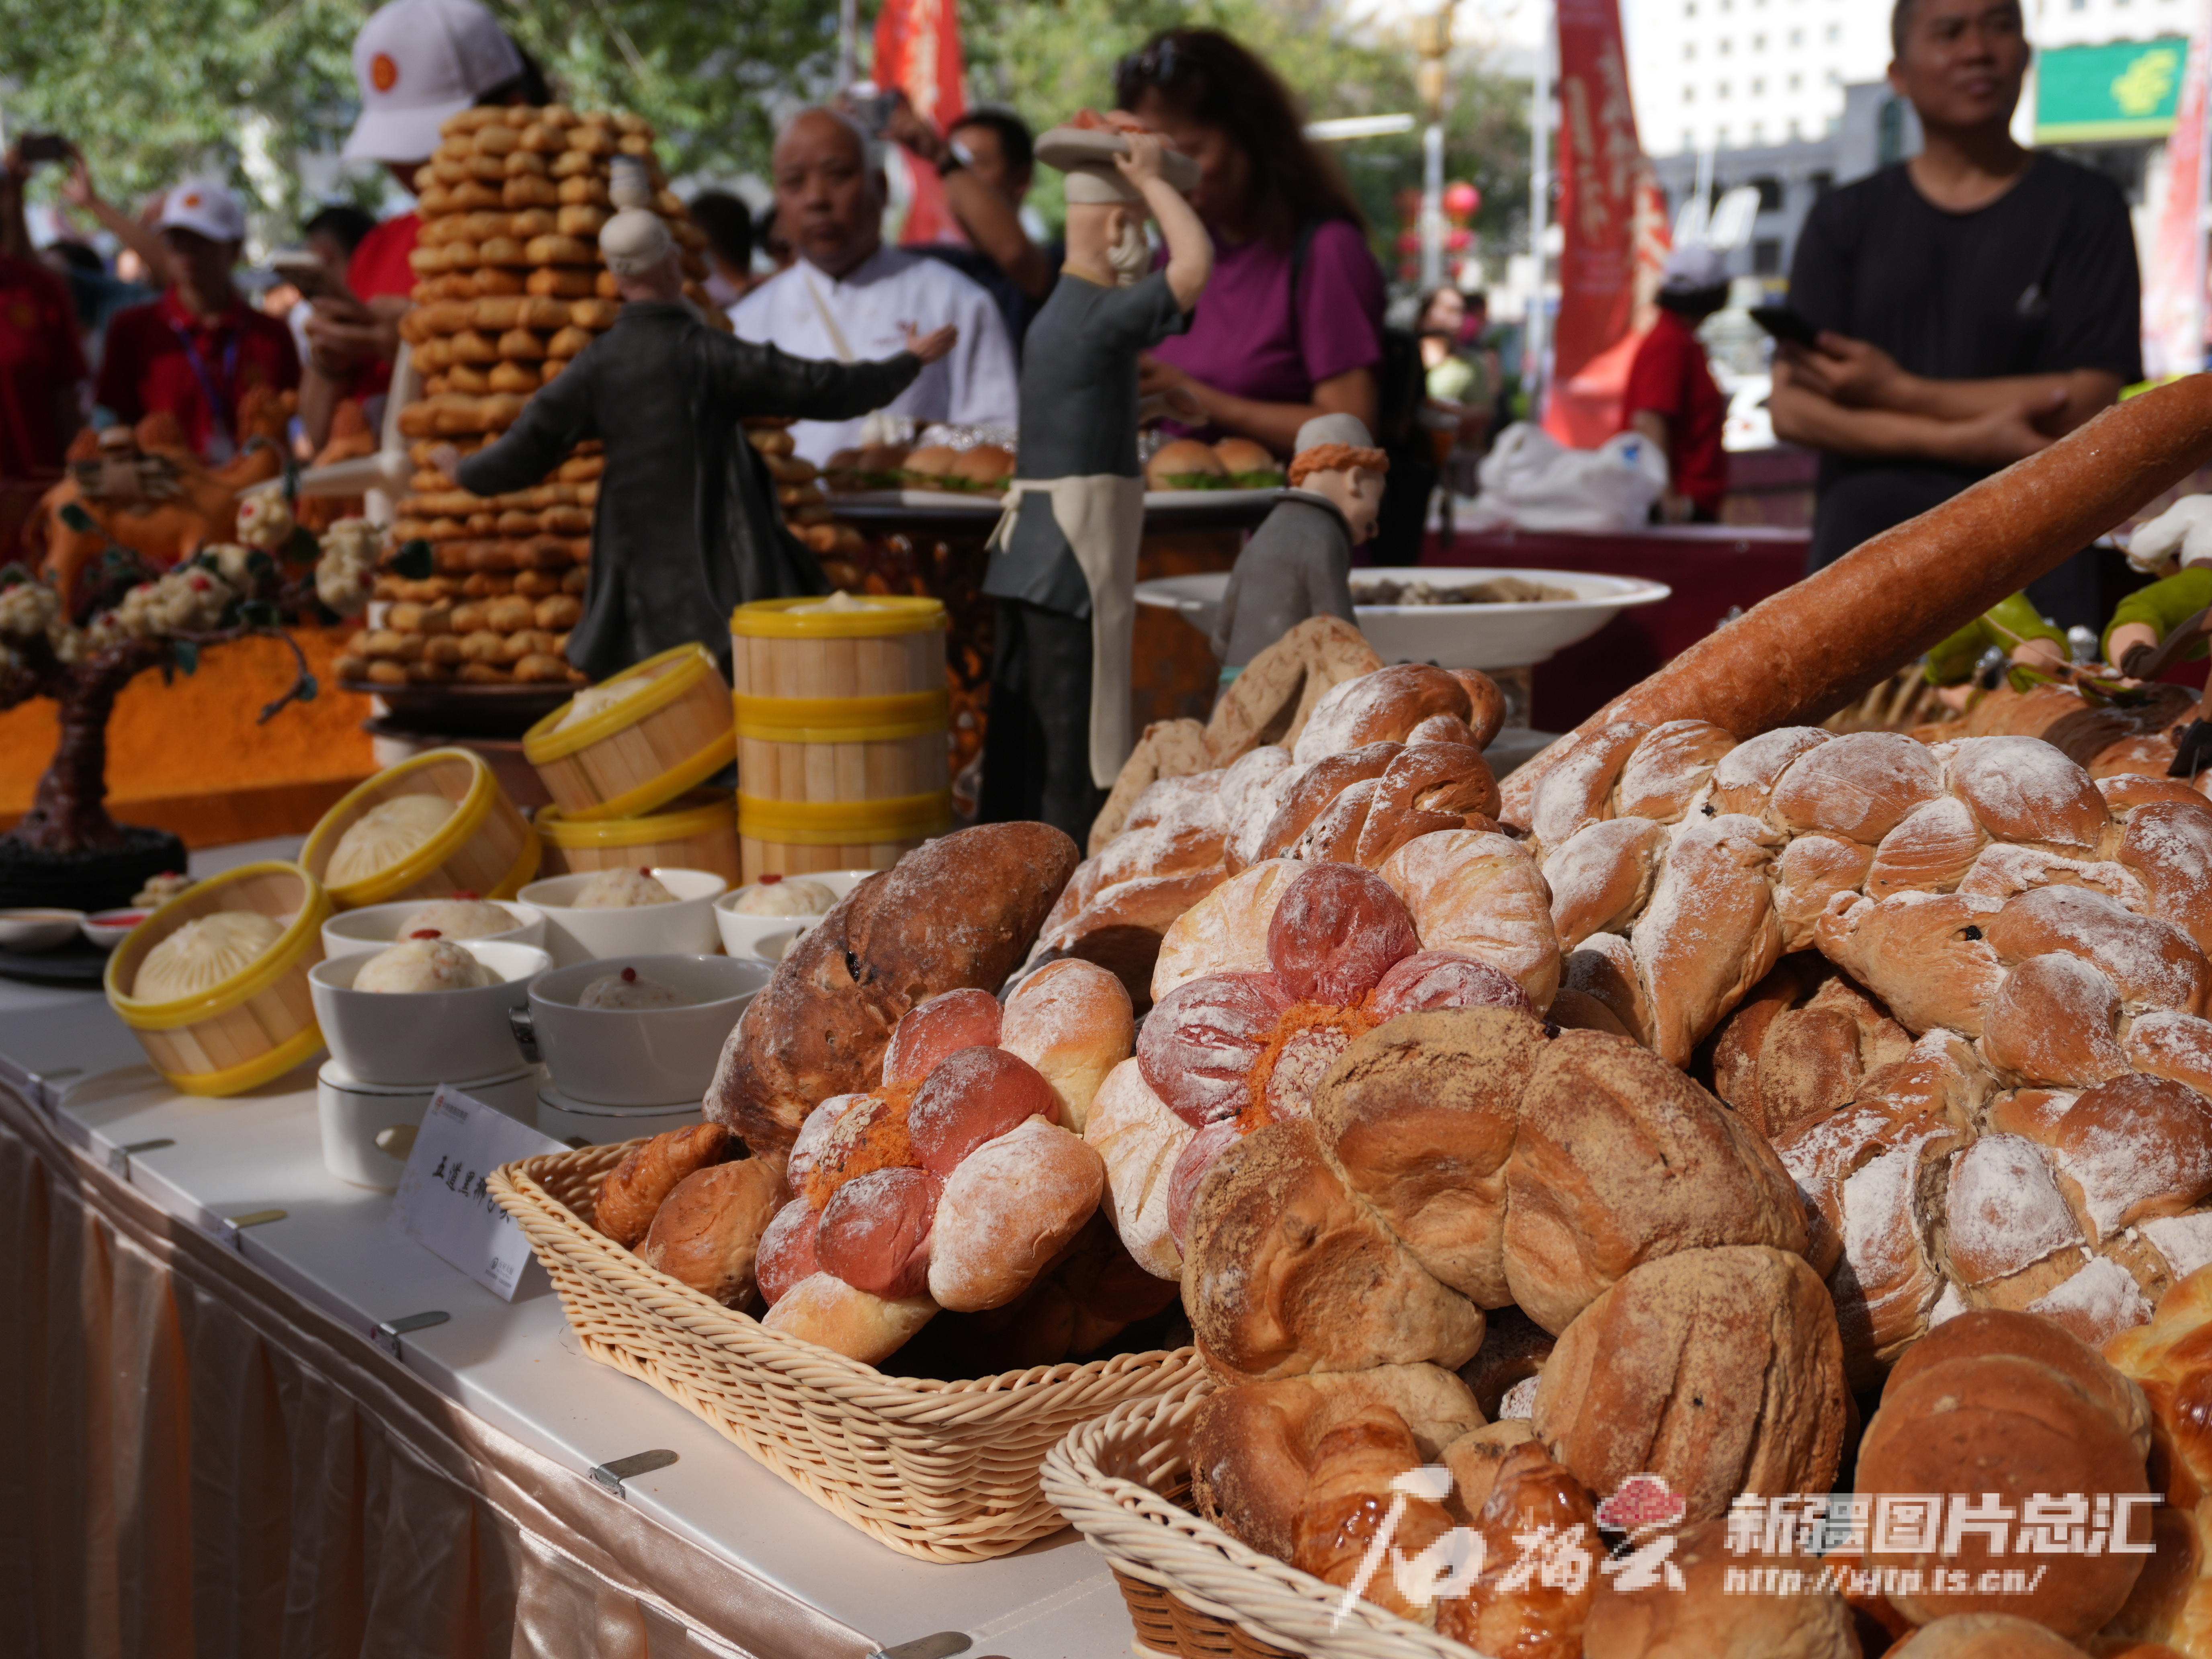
pixel 1298 562
pixel 1064 563
pixel 687 527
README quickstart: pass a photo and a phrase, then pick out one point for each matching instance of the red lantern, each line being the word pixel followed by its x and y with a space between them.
pixel 1461 200
pixel 1458 238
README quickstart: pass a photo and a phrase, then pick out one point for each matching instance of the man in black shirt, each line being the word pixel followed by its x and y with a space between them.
pixel 1975 302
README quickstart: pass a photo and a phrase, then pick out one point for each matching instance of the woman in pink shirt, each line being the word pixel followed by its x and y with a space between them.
pixel 1291 326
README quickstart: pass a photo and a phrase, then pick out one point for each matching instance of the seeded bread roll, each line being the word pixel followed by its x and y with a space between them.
pixel 959 911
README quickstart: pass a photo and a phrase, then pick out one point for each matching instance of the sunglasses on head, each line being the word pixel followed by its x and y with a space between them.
pixel 1155 65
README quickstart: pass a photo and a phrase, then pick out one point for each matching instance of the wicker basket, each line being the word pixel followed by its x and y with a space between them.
pixel 944 1470
pixel 487 848
pixel 697 831
pixel 644 752
pixel 256 1025
pixel 1190 1587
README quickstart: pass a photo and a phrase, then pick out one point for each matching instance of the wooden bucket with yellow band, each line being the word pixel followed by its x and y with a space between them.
pixel 842 713
pixel 697 831
pixel 668 731
pixel 251 1027
pixel 486 848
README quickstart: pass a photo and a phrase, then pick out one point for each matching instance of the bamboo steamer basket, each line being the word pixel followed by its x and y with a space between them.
pixel 646 750
pixel 697 831
pixel 940 1471
pixel 841 721
pixel 487 848
pixel 254 1026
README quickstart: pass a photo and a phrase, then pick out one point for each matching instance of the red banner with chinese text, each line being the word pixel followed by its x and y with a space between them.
pixel 1612 224
pixel 2173 304
pixel 918 52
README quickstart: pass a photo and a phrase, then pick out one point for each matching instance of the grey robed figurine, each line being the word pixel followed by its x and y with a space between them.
pixel 1298 562
pixel 687 527
pixel 1064 559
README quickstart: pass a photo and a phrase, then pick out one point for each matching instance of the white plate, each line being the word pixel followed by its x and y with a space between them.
pixel 1164 499
pixel 1451 636
pixel 39 930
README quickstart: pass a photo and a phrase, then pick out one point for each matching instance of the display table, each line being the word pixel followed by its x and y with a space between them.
pixel 202 1450
pixel 1712 568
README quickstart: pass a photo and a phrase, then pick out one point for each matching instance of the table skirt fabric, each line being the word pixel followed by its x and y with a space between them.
pixel 195 1462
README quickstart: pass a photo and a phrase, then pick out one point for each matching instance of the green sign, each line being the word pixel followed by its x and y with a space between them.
pixel 2127 89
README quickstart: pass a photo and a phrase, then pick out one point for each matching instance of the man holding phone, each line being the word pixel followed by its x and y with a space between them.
pixel 1971 305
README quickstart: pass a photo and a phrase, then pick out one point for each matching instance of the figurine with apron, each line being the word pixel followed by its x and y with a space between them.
pixel 1064 555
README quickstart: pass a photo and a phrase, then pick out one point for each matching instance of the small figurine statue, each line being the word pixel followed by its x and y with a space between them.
pixel 1298 562
pixel 1064 556
pixel 2012 627
pixel 2177 547
pixel 687 527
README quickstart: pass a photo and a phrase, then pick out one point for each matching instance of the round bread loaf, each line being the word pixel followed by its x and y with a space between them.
pixel 874 1232
pixel 707 1232
pixel 1985 1636
pixel 1720 1371
pixel 1380 707
pixel 1008 1209
pixel 1138 1140
pixel 930 1031
pixel 787 1250
pixel 634 1188
pixel 975 1096
pixel 1225 932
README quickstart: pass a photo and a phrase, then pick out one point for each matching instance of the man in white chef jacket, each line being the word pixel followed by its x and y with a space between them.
pixel 849 299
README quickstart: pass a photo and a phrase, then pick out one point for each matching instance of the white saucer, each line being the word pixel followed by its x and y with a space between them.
pixel 582 1123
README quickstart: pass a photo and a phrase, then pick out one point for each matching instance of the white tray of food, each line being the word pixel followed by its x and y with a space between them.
pixel 1407 612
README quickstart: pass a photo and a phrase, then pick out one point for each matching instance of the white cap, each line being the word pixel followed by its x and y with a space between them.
pixel 1347 429
pixel 417 62
pixel 205 206
pixel 1692 268
pixel 2178 537
pixel 634 241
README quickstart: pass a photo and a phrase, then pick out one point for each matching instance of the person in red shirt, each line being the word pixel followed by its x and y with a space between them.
pixel 41 361
pixel 199 348
pixel 416 63
pixel 1671 398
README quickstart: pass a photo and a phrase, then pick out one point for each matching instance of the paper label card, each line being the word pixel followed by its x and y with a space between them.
pixel 443 1202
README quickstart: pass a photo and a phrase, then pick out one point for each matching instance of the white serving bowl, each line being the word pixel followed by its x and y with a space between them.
pixel 683 928
pixel 741 935
pixel 39 930
pixel 373 927
pixel 427 1037
pixel 109 928
pixel 642 1056
pixel 1449 635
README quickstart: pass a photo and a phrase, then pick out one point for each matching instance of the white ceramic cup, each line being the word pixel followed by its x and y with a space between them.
pixel 375 925
pixel 683 928
pixel 425 1037
pixel 642 1056
pixel 741 935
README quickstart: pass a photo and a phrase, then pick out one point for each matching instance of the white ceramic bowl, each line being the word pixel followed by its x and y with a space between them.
pixel 683 928
pixel 109 928
pixel 741 935
pixel 375 925
pixel 37 930
pixel 1451 636
pixel 427 1037
pixel 642 1056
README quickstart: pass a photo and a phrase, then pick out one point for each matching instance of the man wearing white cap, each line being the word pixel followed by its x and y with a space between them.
pixel 1064 563
pixel 1670 396
pixel 687 527
pixel 199 350
pixel 414 63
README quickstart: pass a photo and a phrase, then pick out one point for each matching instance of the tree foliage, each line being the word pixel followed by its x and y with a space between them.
pixel 155 88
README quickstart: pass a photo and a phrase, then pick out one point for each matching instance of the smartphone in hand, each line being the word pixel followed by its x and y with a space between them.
pixel 1783 324
pixel 43 147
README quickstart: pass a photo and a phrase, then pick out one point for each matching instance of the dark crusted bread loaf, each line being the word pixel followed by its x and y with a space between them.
pixel 960 911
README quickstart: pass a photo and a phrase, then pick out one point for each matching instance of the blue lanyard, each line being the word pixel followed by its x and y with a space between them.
pixel 217 404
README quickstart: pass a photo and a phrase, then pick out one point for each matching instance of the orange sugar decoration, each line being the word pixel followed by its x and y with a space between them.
pixel 1300 1017
pixel 885 1144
